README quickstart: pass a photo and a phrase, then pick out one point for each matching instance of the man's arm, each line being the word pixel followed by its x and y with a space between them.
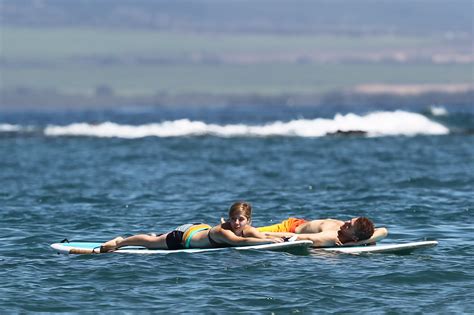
pixel 379 234
pixel 321 239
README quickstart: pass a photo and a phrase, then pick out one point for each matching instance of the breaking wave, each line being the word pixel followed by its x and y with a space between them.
pixel 373 125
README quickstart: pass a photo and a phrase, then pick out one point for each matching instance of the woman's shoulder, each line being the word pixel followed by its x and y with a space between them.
pixel 221 227
pixel 249 229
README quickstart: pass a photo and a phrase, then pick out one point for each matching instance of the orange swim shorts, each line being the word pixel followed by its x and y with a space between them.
pixel 288 225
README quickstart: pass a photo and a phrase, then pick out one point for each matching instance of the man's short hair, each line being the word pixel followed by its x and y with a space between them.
pixel 363 228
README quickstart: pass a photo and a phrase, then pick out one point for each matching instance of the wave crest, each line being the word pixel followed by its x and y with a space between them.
pixel 373 124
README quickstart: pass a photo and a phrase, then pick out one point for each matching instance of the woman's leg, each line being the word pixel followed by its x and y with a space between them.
pixel 148 241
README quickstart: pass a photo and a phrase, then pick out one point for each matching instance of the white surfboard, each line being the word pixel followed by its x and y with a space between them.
pixel 94 248
pixel 380 248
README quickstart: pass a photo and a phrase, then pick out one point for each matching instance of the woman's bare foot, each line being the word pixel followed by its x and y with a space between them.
pixel 111 245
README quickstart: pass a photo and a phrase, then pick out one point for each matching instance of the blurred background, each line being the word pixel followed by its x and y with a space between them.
pixel 112 53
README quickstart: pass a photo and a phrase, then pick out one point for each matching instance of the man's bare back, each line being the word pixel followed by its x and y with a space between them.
pixel 317 226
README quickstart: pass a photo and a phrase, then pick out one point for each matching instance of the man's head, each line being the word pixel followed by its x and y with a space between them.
pixel 355 230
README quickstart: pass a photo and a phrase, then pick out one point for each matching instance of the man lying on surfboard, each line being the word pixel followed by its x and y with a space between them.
pixel 328 232
pixel 237 231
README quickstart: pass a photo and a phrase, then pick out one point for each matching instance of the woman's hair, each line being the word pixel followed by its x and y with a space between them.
pixel 363 228
pixel 243 208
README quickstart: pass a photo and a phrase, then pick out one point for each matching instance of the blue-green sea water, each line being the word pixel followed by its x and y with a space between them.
pixel 93 175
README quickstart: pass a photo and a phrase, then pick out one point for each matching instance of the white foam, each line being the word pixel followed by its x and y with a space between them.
pixel 374 124
pixel 9 128
pixel 438 111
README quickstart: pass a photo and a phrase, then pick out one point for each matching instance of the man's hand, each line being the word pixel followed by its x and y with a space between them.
pixel 277 240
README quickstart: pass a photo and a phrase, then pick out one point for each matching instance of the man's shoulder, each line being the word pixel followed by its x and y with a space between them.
pixel 329 224
pixel 329 220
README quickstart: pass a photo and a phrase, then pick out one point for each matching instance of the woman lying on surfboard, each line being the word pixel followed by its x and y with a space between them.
pixel 235 232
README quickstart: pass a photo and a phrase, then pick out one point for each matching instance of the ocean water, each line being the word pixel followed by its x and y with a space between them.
pixel 93 175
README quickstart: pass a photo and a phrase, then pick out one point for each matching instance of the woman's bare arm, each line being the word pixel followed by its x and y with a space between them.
pixel 230 238
pixel 253 232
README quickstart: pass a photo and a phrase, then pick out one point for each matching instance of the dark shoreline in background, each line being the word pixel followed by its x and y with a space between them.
pixel 257 16
pixel 195 54
pixel 46 99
